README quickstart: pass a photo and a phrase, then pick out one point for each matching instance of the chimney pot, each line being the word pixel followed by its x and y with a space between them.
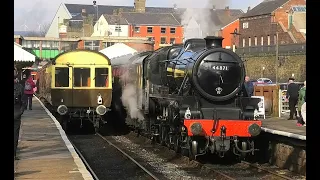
pixel 214 7
pixel 248 9
pixel 227 8
pixel 175 6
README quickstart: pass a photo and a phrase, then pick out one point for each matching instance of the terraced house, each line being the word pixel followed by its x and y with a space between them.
pixel 285 18
pixel 164 25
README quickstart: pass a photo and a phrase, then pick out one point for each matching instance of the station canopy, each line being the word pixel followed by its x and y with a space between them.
pixel 21 55
pixel 117 50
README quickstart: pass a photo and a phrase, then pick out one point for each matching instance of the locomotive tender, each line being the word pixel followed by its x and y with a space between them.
pixel 78 85
pixel 192 98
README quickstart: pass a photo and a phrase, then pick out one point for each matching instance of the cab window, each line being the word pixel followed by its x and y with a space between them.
pixel 62 77
pixel 101 77
pixel 81 77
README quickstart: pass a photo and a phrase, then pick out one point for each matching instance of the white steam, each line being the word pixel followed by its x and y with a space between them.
pixel 130 95
pixel 197 22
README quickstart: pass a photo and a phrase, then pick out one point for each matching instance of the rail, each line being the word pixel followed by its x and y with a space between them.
pixel 129 157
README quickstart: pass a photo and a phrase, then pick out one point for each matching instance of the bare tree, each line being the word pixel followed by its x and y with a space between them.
pixel 41 32
pixel 44 29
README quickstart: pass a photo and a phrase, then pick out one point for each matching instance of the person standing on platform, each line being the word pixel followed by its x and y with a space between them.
pixel 304 109
pixel 18 109
pixel 292 95
pixel 28 91
pixel 249 86
pixel 300 103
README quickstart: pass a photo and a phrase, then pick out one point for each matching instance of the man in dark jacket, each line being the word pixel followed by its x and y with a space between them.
pixel 304 110
pixel 18 109
pixel 292 95
pixel 249 86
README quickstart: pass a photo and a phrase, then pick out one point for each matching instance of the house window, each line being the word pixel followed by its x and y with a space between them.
pixel 255 41
pixel 81 77
pixel 172 30
pixel 268 40
pixel 245 25
pixel 150 38
pixel 249 41
pixel 261 40
pixel 172 40
pixel 137 29
pixel 149 29
pixel 118 29
pixel 243 42
pixel 107 44
pixel 163 40
pixel 92 45
pixel 163 30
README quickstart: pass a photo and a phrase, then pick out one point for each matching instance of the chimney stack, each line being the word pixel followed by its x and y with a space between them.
pixel 83 13
pixel 140 6
pixel 175 6
pixel 214 7
pixel 227 10
pixel 248 9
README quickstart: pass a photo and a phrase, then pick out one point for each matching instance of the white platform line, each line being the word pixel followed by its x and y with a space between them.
pixel 283 133
pixel 82 168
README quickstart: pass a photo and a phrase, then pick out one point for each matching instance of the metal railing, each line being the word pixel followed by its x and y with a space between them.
pixel 287 48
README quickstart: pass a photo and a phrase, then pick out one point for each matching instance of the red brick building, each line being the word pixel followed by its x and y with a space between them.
pixel 229 33
pixel 162 28
pixel 260 25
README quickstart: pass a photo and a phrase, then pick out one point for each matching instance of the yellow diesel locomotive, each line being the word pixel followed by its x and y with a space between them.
pixel 78 85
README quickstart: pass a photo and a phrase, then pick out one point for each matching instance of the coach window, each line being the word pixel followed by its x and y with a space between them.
pixel 101 77
pixel 62 77
pixel 81 77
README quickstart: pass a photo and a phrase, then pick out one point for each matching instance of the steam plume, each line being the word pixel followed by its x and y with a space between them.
pixel 191 17
pixel 130 96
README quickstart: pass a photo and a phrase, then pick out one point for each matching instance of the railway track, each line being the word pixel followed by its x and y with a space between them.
pixel 132 157
pixel 107 161
pixel 127 156
pixel 207 167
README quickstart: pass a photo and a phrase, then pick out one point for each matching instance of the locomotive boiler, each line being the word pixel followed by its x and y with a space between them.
pixel 193 99
pixel 78 85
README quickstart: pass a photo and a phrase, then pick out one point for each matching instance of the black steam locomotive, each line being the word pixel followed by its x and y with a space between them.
pixel 190 97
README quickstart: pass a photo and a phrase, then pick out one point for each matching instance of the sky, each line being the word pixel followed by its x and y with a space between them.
pixel 33 13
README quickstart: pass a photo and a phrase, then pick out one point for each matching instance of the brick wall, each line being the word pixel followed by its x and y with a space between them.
pixel 281 14
pixel 81 44
pixel 294 64
pixel 264 25
pixel 18 41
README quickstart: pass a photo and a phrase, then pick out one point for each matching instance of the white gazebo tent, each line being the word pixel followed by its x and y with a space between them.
pixel 118 49
pixel 21 55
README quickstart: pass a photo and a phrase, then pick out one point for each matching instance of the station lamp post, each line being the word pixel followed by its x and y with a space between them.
pixel 96 6
pixel 234 39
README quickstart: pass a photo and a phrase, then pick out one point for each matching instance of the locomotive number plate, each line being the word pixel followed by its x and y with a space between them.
pixel 221 68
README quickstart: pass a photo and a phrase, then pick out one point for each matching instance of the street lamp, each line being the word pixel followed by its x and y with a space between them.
pixel 235 34
pixel 96 6
pixel 277 45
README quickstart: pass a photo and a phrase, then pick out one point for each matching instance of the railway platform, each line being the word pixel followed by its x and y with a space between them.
pixel 44 151
pixel 284 127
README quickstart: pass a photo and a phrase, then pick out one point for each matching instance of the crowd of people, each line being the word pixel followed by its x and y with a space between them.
pixel 23 93
pixel 295 96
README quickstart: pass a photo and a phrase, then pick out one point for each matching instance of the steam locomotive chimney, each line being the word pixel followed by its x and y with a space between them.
pixel 213 41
